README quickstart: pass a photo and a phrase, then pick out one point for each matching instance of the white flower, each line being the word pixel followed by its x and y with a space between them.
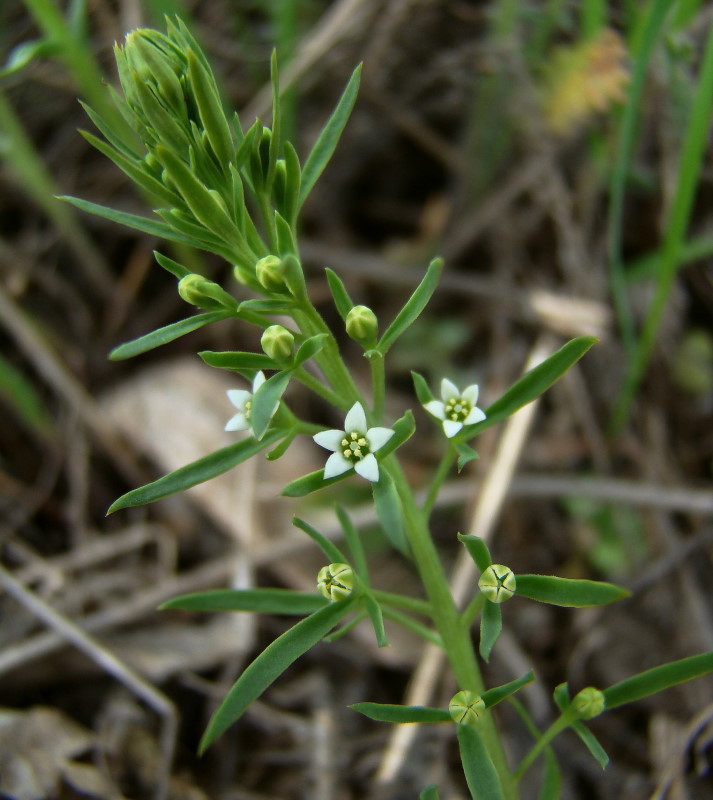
pixel 457 409
pixel 243 401
pixel 354 447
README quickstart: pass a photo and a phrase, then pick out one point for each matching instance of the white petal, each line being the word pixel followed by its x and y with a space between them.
pixel 437 408
pixel 356 419
pixel 470 393
pixel 368 468
pixel 237 423
pixel 474 415
pixel 378 437
pixel 448 390
pixel 258 381
pixel 451 428
pixel 239 397
pixel 336 465
pixel 331 440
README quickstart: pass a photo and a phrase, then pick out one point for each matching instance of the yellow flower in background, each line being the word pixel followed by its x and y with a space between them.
pixel 583 80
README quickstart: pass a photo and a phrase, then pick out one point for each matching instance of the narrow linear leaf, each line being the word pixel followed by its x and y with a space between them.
pixel 480 774
pixel 429 793
pixel 568 592
pixel 561 696
pixel 330 550
pixel 414 305
pixel 657 679
pixel 385 712
pixel 270 664
pixel 551 785
pixel 591 743
pixel 377 620
pixel 499 693
pixel 477 550
pixel 390 512
pixel 267 306
pixel 328 139
pixel 166 334
pixel 210 109
pixel 309 348
pixel 466 454
pixel 197 472
pixel 351 534
pixel 266 400
pixel 422 389
pixel 176 269
pixel 266 601
pixel 403 429
pixel 286 244
pixel 340 295
pixel 237 360
pixel 491 624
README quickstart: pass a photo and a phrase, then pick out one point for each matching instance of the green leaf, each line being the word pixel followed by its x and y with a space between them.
pixel 342 301
pixel 480 774
pixel 276 138
pixel 429 793
pixel 532 384
pixel 591 743
pixel 333 553
pixel 390 511
pixel 561 696
pixel 197 472
pixel 266 601
pixel 267 306
pixel 466 454
pixel 551 785
pixel 293 179
pixel 309 348
pixel 477 549
pixel 414 305
pixel 237 360
pixel 270 664
pixel 356 548
pixel 377 620
pixel 491 624
pixel 499 693
pixel 568 592
pixel 328 139
pixel 176 269
pixel 385 712
pixel 423 390
pixel 210 110
pixel 403 429
pixel 166 334
pixel 286 243
pixel 657 679
pixel 265 401
pixel 24 399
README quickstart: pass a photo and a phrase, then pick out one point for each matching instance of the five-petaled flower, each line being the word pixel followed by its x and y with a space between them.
pixel 354 447
pixel 242 399
pixel 456 408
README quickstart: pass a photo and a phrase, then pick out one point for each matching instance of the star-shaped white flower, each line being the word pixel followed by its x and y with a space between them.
pixel 354 447
pixel 456 408
pixel 242 399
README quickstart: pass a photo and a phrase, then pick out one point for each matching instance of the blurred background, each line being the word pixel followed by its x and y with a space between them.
pixel 555 153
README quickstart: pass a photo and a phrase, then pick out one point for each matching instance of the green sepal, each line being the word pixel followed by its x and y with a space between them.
pixel 166 334
pixel 270 664
pixel 210 110
pixel 331 551
pixel 176 269
pixel 429 793
pixel 494 696
pixel 197 472
pixel 480 773
pixel 377 619
pixel 264 401
pixel 657 679
pixel 477 549
pixel 264 601
pixel 466 454
pixel 342 301
pixel 238 361
pixel 386 712
pixel 491 625
pixel 531 385
pixel 389 510
pixel 422 389
pixel 414 305
pixel 309 349
pixel 568 592
pixel 327 140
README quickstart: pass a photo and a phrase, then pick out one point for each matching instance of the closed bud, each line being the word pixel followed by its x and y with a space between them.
pixel 199 291
pixel 466 707
pixel 362 325
pixel 270 272
pixel 335 581
pixel 497 583
pixel 278 343
pixel 588 703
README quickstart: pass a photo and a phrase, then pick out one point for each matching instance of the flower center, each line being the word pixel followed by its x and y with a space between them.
pixel 354 446
pixel 457 409
pixel 248 409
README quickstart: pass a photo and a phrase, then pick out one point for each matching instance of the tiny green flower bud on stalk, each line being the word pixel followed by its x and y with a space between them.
pixel 270 272
pixel 588 703
pixel 497 583
pixel 335 581
pixel 362 325
pixel 199 291
pixel 278 343
pixel 466 707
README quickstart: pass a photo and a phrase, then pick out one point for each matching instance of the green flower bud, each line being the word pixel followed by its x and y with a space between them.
pixel 466 707
pixel 362 325
pixel 336 581
pixel 497 583
pixel 278 343
pixel 588 703
pixel 199 291
pixel 270 272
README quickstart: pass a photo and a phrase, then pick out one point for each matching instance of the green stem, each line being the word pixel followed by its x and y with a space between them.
pixel 414 604
pixel 439 477
pixel 413 625
pixel 318 387
pixel 378 382
pixel 561 723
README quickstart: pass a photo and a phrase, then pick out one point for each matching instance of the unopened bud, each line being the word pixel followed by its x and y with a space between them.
pixel 588 703
pixel 362 325
pixel 278 343
pixel 199 291
pixel 497 583
pixel 335 581
pixel 270 273
pixel 466 707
